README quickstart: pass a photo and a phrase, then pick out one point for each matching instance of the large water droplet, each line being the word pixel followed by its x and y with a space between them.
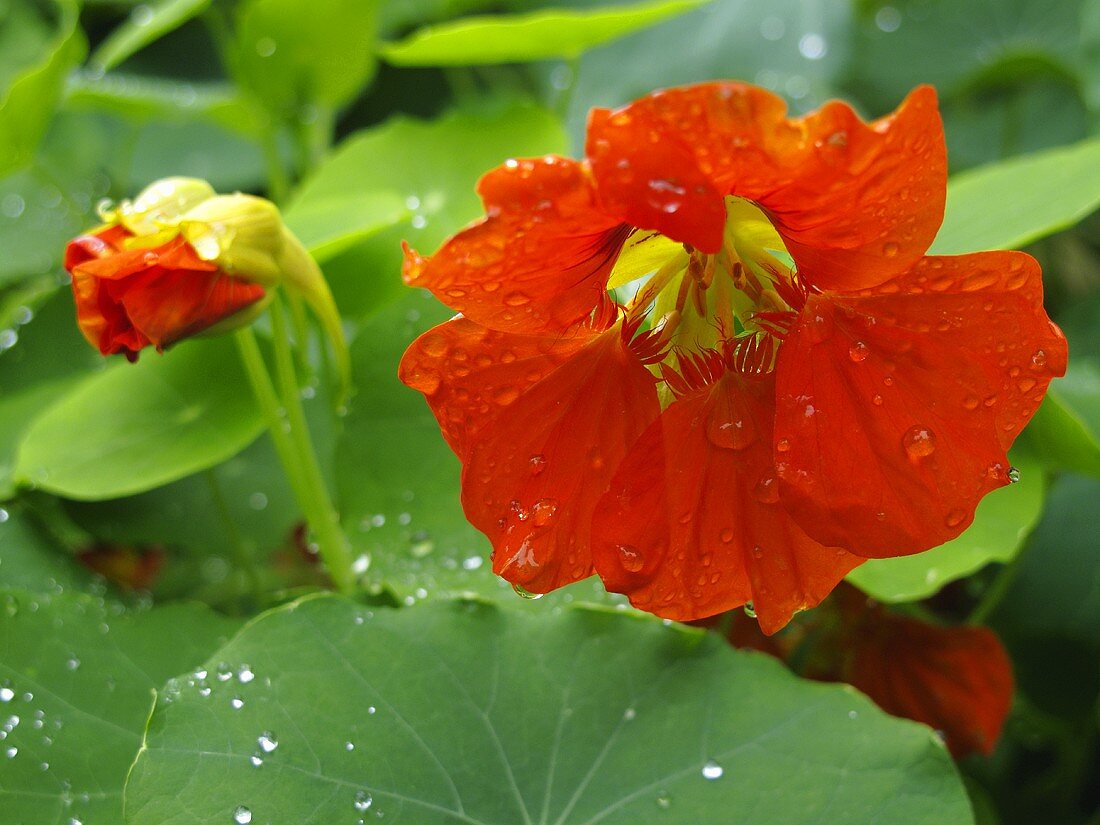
pixel 919 442
pixel 858 351
pixel 712 770
pixel 766 490
pixel 1013 474
pixel 750 610
pixel 630 558
pixel 267 741
pixel 544 511
pixel 524 593
pixel 241 815
pixel 363 801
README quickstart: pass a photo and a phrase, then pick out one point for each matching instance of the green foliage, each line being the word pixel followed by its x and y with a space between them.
pixel 1015 202
pixel 31 84
pixel 76 683
pixel 130 429
pixel 146 24
pixel 431 714
pixel 536 36
pixel 277 58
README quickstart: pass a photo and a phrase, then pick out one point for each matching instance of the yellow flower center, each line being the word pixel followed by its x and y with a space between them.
pixel 735 304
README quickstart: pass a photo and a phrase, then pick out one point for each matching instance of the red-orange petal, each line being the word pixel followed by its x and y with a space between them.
pixel 855 203
pixel 538 261
pixel 692 525
pixel 129 299
pixel 468 373
pixel 531 481
pixel 896 405
pixel 957 680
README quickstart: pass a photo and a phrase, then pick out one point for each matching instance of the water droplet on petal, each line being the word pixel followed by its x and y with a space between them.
pixel 955 518
pixel 971 402
pixel 750 611
pixel 858 351
pixel 544 511
pixel 766 490
pixel 712 770
pixel 783 445
pixel 630 558
pixel 890 249
pixel 523 593
pixel 538 464
pixel 877 400
pixel 919 442
pixel 1013 474
pixel 516 299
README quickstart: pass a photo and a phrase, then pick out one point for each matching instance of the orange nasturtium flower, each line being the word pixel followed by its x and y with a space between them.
pixel 711 361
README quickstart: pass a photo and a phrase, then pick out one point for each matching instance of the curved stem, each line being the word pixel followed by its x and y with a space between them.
pixel 295 450
pixel 334 545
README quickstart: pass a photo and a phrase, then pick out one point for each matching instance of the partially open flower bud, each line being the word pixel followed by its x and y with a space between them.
pixel 180 260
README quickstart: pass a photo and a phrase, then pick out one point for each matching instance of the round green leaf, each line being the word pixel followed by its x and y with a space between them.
pixel 133 428
pixel 1001 525
pixel 465 713
pixel 76 683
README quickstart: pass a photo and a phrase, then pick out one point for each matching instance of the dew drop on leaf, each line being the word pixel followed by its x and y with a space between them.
pixel 241 815
pixel 712 770
pixel 267 742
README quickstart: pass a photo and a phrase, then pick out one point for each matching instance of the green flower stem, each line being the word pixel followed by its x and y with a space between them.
pixel 335 547
pixel 286 424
